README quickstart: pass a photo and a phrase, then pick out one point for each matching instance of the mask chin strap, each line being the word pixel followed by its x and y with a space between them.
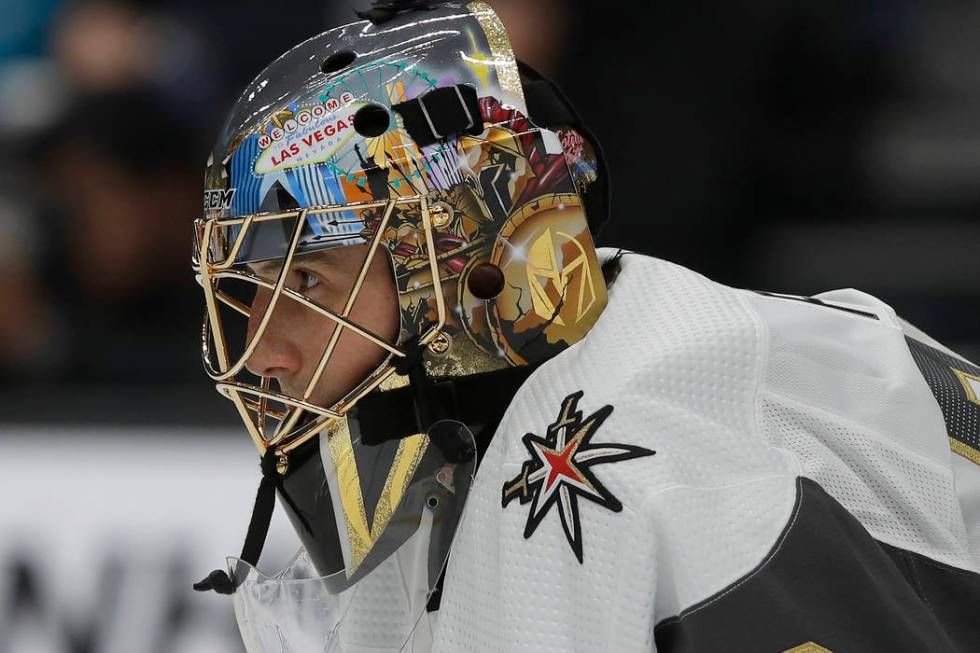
pixel 478 401
pixel 258 528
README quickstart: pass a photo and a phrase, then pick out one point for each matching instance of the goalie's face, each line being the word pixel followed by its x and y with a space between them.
pixel 292 345
pixel 303 313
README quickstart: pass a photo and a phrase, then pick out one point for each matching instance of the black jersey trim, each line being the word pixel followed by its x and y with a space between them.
pixel 948 377
pixel 685 613
pixel 818 302
pixel 826 581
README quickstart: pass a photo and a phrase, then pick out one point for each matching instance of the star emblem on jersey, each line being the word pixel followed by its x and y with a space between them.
pixel 560 470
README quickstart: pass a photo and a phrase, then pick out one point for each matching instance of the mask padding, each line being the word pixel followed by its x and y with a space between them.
pixel 550 108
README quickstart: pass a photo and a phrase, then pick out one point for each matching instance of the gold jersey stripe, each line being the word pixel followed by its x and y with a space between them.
pixel 964 450
pixel 809 647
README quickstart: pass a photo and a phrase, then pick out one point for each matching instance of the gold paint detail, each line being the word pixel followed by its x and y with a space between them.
pixel 441 344
pixel 514 311
pixel 393 382
pixel 360 536
pixel 541 262
pixel 351 497
pixel 500 49
pixel 477 61
pixel 407 459
pixel 809 647
pixel 282 463
pixel 968 381
pixel 964 450
pixel 587 295
pixel 463 359
pixel 543 265
pixel 442 214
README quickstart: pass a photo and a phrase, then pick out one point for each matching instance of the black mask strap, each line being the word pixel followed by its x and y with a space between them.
pixel 384 10
pixel 258 528
pixel 479 401
pixel 441 113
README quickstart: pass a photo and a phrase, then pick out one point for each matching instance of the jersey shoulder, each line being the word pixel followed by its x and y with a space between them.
pixel 857 398
pixel 669 434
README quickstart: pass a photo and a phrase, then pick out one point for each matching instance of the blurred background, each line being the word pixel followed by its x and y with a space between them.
pixel 789 147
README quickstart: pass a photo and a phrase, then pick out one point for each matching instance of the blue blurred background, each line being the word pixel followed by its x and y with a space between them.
pixel 790 147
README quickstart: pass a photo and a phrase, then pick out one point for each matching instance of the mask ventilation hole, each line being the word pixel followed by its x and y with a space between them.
pixel 485 281
pixel 371 120
pixel 338 61
pixel 432 502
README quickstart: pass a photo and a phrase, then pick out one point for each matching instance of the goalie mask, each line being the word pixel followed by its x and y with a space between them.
pixel 399 148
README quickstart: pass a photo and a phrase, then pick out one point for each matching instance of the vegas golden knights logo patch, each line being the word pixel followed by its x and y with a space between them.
pixel 560 470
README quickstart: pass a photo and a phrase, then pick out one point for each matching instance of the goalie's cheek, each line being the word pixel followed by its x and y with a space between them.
pixel 279 353
pixel 355 357
pixel 377 306
pixel 294 341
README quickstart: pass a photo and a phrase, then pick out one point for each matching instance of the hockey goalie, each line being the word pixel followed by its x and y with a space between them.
pixel 491 436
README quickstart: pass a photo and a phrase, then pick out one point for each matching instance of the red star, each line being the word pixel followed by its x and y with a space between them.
pixel 560 470
pixel 560 464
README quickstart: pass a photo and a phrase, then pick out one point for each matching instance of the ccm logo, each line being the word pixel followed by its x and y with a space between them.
pixel 218 199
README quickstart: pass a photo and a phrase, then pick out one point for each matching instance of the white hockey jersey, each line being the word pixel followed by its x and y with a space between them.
pixel 714 469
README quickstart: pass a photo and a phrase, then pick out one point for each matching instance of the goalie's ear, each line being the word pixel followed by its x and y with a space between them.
pixel 550 108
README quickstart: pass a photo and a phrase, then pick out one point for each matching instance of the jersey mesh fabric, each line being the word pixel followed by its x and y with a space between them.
pixel 967 476
pixel 679 359
pixel 843 394
pixel 852 366
pixel 380 603
pixel 904 500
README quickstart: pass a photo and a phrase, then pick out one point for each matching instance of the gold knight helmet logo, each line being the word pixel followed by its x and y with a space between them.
pixel 574 274
pixel 554 289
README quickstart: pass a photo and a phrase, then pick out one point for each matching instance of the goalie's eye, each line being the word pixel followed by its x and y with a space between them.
pixel 307 280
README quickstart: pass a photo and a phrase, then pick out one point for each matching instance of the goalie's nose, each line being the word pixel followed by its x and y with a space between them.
pixel 275 355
